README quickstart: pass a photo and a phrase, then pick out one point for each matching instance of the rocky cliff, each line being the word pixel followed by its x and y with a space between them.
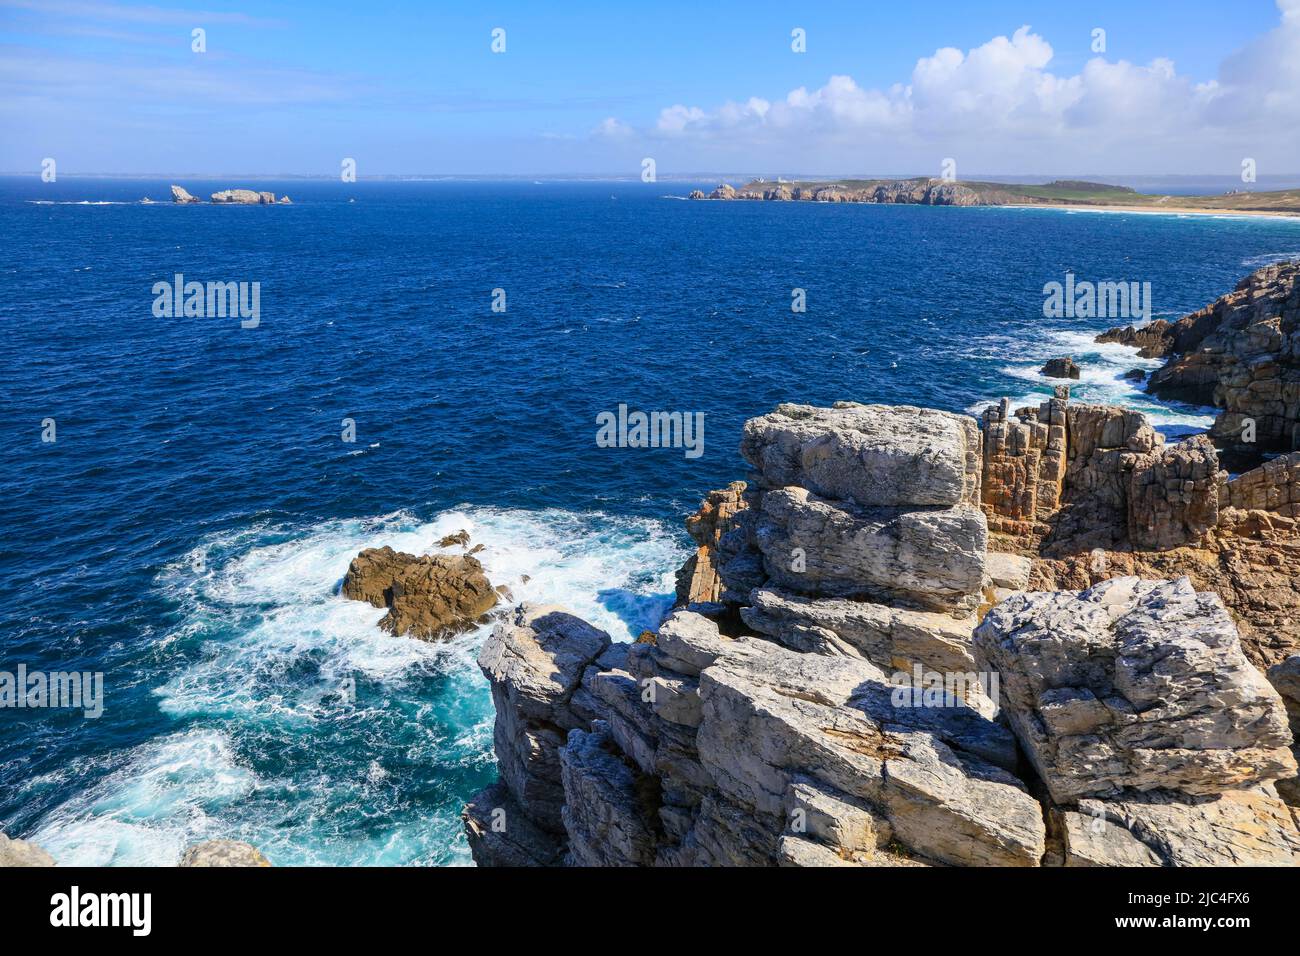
pixel 921 191
pixel 830 692
pixel 1240 353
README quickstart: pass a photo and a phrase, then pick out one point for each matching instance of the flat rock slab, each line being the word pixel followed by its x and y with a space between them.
pixel 873 455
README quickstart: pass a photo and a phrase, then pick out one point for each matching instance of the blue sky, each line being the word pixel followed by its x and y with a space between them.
pixel 1186 87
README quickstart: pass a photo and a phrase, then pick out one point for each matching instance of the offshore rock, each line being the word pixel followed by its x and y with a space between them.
pixel 1061 368
pixel 428 597
pixel 246 197
pixel 180 195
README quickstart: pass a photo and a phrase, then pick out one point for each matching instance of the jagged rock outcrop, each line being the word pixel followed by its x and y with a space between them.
pixel 805 727
pixel 1156 739
pixel 223 853
pixel 428 596
pixel 1024 466
pixel 1091 492
pixel 1241 353
pixel 723 191
pixel 246 197
pixel 1174 495
pixel 180 195
pixel 1134 684
pixel 709 750
pixel 699 746
pixel 1061 368
pixel 22 853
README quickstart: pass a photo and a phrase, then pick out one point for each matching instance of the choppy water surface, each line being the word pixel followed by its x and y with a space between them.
pixel 187 531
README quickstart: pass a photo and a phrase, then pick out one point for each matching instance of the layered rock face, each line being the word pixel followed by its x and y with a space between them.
pixel 1091 492
pixel 702 749
pixel 789 746
pixel 866 501
pixel 1155 738
pixel 814 734
pixel 1241 353
pixel 429 596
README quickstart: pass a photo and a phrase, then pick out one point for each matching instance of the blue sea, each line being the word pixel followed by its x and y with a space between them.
pixel 187 530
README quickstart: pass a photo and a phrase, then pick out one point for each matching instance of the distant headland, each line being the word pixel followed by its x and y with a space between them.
pixel 1061 194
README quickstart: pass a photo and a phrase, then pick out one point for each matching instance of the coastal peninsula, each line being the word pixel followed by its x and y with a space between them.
pixel 1060 194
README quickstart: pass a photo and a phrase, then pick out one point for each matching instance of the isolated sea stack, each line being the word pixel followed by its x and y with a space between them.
pixel 1061 368
pixel 181 195
pixel 429 596
pixel 245 197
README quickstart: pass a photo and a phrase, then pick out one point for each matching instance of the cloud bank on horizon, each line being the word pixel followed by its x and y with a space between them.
pixel 115 87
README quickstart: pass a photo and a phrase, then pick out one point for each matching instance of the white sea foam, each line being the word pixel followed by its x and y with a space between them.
pixel 1268 258
pixel 147 811
pixel 1101 381
pixel 260 608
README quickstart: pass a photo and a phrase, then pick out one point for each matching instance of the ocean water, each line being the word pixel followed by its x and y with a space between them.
pixel 187 531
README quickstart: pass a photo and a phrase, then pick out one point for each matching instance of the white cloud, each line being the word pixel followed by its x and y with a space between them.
pixel 611 128
pixel 1005 90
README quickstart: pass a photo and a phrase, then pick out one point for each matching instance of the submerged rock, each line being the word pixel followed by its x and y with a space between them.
pixel 428 597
